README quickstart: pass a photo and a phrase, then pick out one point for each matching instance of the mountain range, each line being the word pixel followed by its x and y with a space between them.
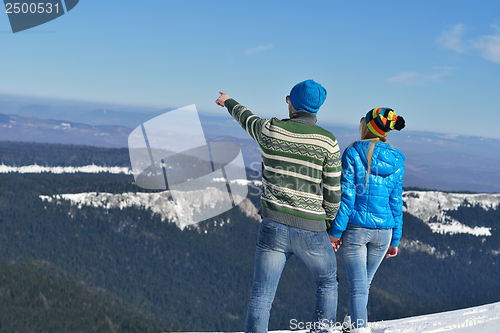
pixel 433 160
pixel 77 220
pixel 84 248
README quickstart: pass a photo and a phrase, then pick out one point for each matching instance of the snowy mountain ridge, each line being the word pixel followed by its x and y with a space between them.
pixel 60 170
pixel 432 207
pixel 429 206
pixel 160 203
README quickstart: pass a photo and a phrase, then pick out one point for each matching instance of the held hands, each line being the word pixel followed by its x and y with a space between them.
pixel 222 98
pixel 392 252
pixel 336 242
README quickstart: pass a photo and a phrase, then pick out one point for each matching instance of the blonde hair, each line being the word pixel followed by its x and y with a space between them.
pixel 367 135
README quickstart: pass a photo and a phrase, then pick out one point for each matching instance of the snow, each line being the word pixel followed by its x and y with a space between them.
pixel 416 245
pixel 432 207
pixel 455 227
pixel 484 319
pixel 161 203
pixel 241 182
pixel 60 170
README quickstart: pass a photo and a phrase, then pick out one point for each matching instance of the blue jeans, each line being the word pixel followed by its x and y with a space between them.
pixel 363 250
pixel 276 243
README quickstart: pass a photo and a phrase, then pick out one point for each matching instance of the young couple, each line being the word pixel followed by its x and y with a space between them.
pixel 314 202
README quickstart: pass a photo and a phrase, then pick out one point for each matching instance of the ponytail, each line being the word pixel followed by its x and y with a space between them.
pixel 370 153
pixel 367 135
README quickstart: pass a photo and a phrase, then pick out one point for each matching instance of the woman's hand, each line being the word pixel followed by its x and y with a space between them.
pixel 222 98
pixel 336 242
pixel 392 252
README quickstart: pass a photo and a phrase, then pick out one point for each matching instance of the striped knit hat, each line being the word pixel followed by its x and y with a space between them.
pixel 382 120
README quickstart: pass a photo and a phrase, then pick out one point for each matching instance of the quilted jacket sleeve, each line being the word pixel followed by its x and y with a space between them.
pixel 348 194
pixel 396 204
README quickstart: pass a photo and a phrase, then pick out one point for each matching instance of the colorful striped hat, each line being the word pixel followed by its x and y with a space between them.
pixel 381 121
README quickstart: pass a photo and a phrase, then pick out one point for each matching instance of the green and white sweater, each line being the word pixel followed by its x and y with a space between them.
pixel 301 168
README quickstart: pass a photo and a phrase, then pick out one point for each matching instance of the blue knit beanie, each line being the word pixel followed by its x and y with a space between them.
pixel 307 96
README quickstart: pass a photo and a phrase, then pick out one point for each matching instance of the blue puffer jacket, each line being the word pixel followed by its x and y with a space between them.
pixel 380 205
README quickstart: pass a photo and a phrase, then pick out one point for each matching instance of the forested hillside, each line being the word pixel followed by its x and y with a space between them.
pixel 147 275
pixel 37 296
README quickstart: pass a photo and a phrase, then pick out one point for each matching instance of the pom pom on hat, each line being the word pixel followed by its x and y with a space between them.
pixel 400 123
pixel 381 121
pixel 307 96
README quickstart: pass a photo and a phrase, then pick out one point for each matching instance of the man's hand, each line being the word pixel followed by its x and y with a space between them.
pixel 392 252
pixel 336 242
pixel 222 98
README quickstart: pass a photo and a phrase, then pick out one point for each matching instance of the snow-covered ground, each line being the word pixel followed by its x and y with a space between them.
pixel 484 319
pixel 481 319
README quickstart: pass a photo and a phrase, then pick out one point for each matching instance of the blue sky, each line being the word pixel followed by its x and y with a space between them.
pixel 437 63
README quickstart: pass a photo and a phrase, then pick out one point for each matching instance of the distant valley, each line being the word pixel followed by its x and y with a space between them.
pixel 433 161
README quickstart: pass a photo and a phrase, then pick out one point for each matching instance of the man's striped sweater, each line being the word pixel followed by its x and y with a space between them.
pixel 301 168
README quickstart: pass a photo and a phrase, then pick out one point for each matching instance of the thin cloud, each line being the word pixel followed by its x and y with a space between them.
pixel 403 78
pixel 440 72
pixel 452 38
pixel 258 49
pixel 489 46
pixel 412 78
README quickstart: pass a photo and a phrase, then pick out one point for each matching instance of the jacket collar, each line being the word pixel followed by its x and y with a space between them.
pixel 304 117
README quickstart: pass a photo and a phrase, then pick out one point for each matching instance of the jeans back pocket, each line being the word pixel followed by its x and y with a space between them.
pixel 268 235
pixel 312 241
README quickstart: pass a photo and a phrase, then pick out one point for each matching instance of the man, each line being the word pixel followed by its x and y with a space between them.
pixel 300 198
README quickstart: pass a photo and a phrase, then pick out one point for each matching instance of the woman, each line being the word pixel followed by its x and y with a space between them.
pixel 369 220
